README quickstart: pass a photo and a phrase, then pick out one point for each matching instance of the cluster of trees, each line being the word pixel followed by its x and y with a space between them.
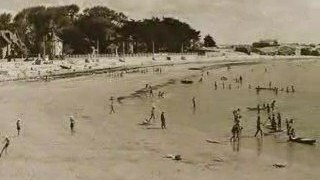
pixel 309 52
pixel 80 30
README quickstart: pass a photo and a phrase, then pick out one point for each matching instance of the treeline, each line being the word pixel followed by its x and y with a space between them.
pixel 82 30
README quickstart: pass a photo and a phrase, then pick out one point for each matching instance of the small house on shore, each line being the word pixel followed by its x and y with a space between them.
pixel 55 45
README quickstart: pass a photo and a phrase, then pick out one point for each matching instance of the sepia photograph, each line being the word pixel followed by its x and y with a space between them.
pixel 159 89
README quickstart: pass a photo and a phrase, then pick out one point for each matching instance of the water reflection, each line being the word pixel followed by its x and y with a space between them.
pixel 259 146
pixel 235 146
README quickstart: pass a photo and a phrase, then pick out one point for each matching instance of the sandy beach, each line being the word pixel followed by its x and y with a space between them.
pixel 114 146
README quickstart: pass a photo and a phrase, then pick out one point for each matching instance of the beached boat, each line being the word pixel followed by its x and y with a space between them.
pixel 194 68
pixel 65 67
pixel 185 81
pixel 303 140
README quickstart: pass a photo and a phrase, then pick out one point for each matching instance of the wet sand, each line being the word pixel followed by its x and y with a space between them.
pixel 114 146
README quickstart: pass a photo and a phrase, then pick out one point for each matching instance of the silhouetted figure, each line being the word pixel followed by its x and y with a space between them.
pixel 111 106
pixel 152 116
pixel 150 91
pixel 6 145
pixel 215 85
pixel 163 121
pixel 258 89
pixel 72 124
pixel 270 84
pixel 287 126
pixel 258 127
pixel 194 102
pixel 18 126
pixel 273 104
pixel 292 89
pixel 273 123
pixel 240 79
pixel 287 90
pixel 236 129
pixel 279 121
pixel 268 108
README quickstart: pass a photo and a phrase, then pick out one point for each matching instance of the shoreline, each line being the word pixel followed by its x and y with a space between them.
pixel 110 65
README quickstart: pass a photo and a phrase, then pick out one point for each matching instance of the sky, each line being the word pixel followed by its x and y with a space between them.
pixel 228 21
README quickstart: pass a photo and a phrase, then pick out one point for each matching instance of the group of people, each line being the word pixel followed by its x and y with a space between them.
pixel 275 121
pixel 275 89
pixel 153 117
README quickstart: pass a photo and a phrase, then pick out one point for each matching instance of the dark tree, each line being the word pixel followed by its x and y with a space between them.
pixel 5 21
pixel 209 42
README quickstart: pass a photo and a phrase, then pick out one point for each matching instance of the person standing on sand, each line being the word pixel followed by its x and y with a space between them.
pixel 215 85
pixel 111 106
pixel 6 145
pixel 292 89
pixel 72 124
pixel 258 127
pixel 163 121
pixel 240 79
pixel 18 126
pixel 194 102
pixel 152 116
pixel 150 91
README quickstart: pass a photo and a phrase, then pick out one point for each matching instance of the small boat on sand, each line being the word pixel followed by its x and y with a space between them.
pixel 302 140
pixel 65 67
pixel 186 81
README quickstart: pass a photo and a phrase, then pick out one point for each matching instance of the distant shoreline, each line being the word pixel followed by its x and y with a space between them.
pixel 109 65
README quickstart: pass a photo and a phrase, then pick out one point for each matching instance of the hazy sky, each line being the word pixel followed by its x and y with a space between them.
pixel 229 21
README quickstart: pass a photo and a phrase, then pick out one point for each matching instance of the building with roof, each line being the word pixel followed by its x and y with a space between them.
pixel 55 45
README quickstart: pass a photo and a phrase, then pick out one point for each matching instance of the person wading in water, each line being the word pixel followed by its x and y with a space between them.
pixel 258 127
pixel 163 121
